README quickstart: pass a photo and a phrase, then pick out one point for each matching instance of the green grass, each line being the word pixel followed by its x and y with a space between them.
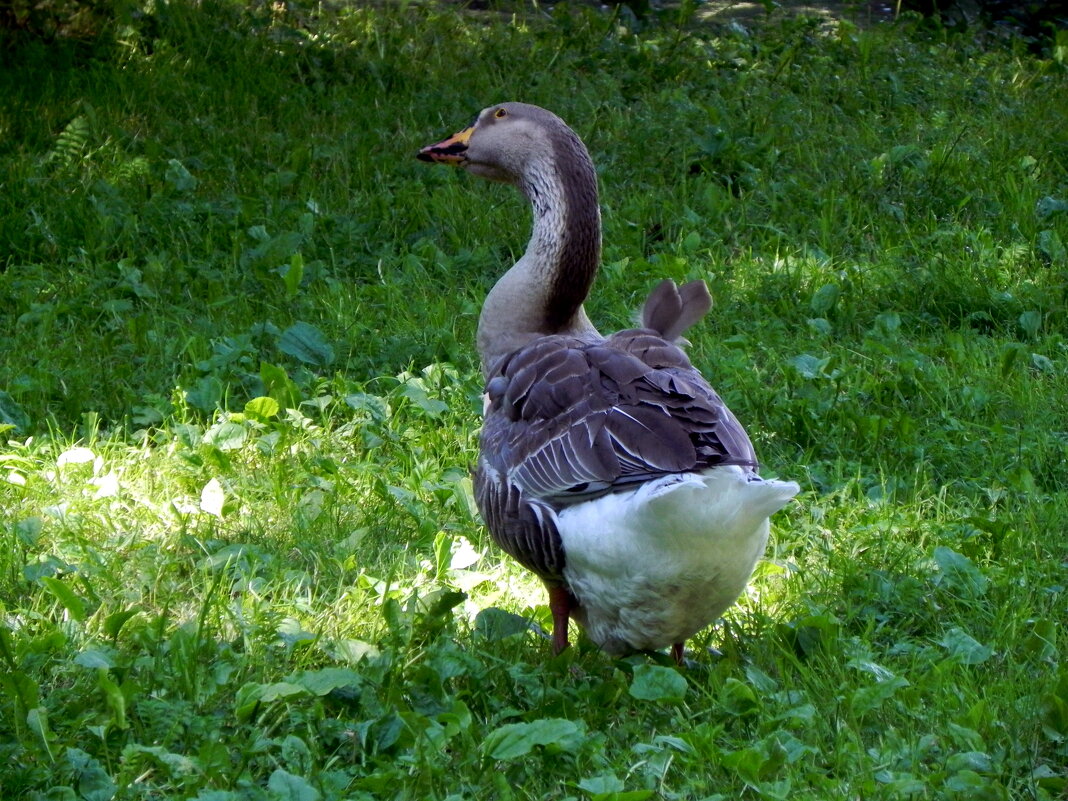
pixel 238 553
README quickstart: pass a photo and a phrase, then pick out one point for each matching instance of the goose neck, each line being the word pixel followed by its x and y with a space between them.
pixel 565 244
pixel 543 292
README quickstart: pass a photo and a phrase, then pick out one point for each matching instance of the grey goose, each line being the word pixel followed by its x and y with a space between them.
pixel 608 466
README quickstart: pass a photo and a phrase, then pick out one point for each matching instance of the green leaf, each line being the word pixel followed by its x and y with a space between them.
pixel 94 658
pixel 965 648
pixel 94 783
pixel 114 622
pixel 1042 363
pixel 293 274
pixel 386 730
pixel 901 785
pixel 239 557
pixel 206 395
pixel 600 785
pixel 813 633
pixel 747 763
pixel 250 697
pixel 353 651
pixel 821 326
pixel 969 784
pixel 247 701
pixel 271 252
pixel 176 765
pixel 61 794
pixel 285 786
pixel 514 740
pixel 887 324
pixel 74 605
pixel 226 436
pixel 959 573
pixel 281 689
pixel 415 391
pixel 440 603
pixel 738 698
pixel 824 299
pixel 1049 205
pixel 809 366
pixel 324 681
pixel 20 688
pixel 115 699
pixel 608 787
pixel 1053 709
pixel 12 414
pixel 760 680
pixel 442 553
pixel 1031 323
pixel 873 696
pixel 29 530
pixel 306 343
pixel 279 386
pixel 296 754
pixel 375 407
pixel 906 154
pixel 1060 47
pixel 496 624
pixel 1051 248
pixel 658 683
pixel 978 761
pixel 1041 641
pixel 458 719
pixel 626 795
pixel 262 408
pixel 179 177
pixel 37 720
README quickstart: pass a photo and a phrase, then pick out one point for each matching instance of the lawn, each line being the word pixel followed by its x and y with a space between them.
pixel 239 557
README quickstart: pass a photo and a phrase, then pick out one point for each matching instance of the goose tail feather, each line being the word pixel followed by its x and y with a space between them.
pixel 670 310
pixel 725 496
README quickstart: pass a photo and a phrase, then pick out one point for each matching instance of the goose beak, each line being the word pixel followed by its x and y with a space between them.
pixel 448 151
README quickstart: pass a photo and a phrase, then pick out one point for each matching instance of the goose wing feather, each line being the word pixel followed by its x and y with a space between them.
pixel 569 419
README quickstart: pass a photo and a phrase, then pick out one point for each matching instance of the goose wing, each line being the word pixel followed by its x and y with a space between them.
pixel 569 419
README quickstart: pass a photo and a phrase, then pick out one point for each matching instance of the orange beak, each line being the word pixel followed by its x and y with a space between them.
pixel 448 151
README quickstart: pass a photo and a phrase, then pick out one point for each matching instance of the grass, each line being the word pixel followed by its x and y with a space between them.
pixel 238 553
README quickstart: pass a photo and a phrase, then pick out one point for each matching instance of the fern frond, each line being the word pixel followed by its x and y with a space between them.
pixel 71 142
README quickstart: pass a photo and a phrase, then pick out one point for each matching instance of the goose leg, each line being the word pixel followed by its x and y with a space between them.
pixel 677 651
pixel 560 606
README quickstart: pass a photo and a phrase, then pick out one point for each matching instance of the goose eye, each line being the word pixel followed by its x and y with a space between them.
pixel 499 113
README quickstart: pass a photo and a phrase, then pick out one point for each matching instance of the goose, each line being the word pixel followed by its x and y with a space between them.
pixel 608 466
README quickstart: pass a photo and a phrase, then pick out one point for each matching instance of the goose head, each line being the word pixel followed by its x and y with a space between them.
pixel 508 141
